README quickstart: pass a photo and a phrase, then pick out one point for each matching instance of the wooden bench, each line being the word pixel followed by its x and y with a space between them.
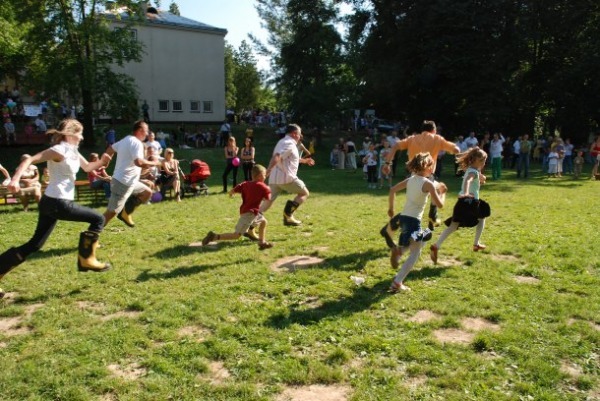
pixel 83 191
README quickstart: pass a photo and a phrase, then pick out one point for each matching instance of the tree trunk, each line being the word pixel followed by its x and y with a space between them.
pixel 88 118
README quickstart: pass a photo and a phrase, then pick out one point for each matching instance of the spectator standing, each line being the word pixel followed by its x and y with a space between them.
pixel 524 154
pixel 40 125
pixel 568 159
pixel 496 155
pixel 471 140
pixel 350 149
pixel 153 143
pixel 110 137
pixel 230 152
pixel 146 112
pixel 247 156
pixel 225 131
pixel 578 164
pixel 9 130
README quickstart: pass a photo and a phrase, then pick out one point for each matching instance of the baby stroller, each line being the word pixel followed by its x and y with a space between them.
pixel 194 182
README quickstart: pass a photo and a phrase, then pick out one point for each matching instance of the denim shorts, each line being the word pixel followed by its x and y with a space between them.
pixel 408 225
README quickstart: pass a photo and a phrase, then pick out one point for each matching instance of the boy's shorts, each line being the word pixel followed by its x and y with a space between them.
pixel 119 193
pixel 248 219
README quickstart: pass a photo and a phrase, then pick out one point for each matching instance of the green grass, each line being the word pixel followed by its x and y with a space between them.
pixel 271 330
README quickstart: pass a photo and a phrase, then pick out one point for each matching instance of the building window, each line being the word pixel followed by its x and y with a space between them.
pixel 163 105
pixel 207 106
pixel 194 106
pixel 177 106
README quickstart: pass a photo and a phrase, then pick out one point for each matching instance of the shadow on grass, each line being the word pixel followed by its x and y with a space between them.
pixel 147 274
pixel 351 261
pixel 50 253
pixel 361 299
pixel 185 249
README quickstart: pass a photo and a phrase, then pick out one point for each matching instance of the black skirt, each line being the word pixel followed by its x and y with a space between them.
pixel 468 211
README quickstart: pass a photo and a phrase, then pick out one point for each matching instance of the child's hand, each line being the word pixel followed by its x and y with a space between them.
pixel 482 178
pixel 391 213
pixel 441 188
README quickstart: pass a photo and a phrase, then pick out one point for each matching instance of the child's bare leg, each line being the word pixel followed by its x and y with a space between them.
pixel 409 263
pixel 479 231
pixel 227 236
pixel 396 254
pixel 262 231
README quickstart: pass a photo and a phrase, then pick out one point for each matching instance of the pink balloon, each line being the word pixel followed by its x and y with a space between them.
pixel 236 161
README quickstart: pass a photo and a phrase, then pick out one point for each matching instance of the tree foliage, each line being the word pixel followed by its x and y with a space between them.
pixel 75 50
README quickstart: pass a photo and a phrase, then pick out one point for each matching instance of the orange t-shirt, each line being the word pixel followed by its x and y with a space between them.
pixel 426 142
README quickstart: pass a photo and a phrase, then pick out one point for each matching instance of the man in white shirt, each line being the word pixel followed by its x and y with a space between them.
pixel 282 173
pixel 127 192
pixel 471 140
pixel 40 125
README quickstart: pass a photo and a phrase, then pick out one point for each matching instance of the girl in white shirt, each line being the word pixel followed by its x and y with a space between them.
pixel 57 203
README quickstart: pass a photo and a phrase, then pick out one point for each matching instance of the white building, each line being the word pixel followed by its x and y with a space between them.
pixel 182 74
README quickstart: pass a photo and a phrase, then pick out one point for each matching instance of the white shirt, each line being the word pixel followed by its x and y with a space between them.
pixel 62 174
pixel 286 170
pixel 154 145
pixel 416 199
pixel 496 147
pixel 471 142
pixel 128 150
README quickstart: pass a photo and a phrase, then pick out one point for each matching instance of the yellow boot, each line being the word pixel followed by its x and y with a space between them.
pixel 86 260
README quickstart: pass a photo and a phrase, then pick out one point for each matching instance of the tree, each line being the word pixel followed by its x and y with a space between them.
pixel 246 79
pixel 12 41
pixel 306 52
pixel 76 49
pixel 174 8
pixel 230 89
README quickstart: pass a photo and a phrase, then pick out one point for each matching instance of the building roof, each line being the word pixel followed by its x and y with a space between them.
pixel 165 18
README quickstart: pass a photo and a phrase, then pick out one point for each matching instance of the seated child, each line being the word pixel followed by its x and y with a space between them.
pixel 253 192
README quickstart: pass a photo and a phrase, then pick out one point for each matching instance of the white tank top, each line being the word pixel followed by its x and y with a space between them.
pixel 416 199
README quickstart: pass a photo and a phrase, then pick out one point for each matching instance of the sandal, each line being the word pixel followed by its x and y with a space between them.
pixel 397 287
pixel 478 247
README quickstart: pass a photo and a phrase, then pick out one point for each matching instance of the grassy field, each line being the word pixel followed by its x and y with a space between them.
pixel 519 321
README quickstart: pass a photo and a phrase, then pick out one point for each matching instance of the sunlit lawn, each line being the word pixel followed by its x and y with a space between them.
pixel 519 321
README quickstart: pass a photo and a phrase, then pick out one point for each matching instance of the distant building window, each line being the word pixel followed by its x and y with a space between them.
pixel 177 106
pixel 207 106
pixel 163 105
pixel 194 106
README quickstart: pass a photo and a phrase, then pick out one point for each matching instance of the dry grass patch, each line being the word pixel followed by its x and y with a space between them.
pixel 314 393
pixel 198 333
pixel 478 324
pixel 321 248
pixel 527 280
pixel 571 369
pixel 13 326
pixel 505 258
pixel 453 336
pixel 118 315
pixel 293 263
pixel 414 382
pixel 448 262
pixel 132 371
pixel 423 316
pixel 95 307
pixel 218 373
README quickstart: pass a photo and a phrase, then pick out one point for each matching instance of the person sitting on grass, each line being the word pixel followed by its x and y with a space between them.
pixel 253 193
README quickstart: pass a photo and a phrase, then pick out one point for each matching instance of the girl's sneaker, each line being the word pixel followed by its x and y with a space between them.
pixel 397 287
pixel 478 247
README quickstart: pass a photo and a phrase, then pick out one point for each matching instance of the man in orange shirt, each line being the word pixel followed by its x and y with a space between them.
pixel 427 141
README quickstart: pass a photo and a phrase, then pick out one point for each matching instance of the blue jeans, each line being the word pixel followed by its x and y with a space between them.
pixel 523 165
pixel 50 211
pixel 99 184
pixel 568 164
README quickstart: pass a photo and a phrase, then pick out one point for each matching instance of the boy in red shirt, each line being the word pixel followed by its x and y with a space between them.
pixel 253 192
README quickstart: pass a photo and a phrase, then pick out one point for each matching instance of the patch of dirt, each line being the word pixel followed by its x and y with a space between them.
pixel 321 248
pixel 218 372
pixel 199 333
pixel 330 233
pixel 108 397
pixel 13 326
pixel 415 382
pixel 95 307
pixel 505 258
pixel 9 297
pixel 423 316
pixel 311 302
pixel 571 369
pixel 133 371
pixel 453 336
pixel 527 280
pixel 478 324
pixel 293 263
pixel 448 262
pixel 314 393
pixel 594 326
pixel 3 345
pixel 125 314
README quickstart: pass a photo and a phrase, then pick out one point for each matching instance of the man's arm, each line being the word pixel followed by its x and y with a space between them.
pixel 274 160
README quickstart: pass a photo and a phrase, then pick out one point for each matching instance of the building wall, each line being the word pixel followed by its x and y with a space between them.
pixel 180 64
